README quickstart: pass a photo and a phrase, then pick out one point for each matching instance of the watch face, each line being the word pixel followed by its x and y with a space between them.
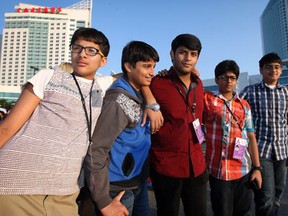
pixel 157 107
pixel 154 107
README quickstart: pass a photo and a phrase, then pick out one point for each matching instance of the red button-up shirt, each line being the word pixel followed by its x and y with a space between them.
pixel 175 150
pixel 222 130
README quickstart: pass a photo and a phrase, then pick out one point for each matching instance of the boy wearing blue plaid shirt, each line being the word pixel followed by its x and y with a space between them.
pixel 269 105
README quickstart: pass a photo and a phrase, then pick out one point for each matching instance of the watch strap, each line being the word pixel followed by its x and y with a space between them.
pixel 258 168
pixel 154 107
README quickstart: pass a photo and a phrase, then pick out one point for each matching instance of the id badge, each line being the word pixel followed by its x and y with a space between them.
pixel 198 131
pixel 239 148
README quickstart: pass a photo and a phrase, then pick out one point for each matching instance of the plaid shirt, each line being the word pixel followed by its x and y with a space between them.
pixel 270 111
pixel 222 130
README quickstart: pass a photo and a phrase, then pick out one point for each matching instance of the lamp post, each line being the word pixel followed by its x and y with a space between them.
pixel 35 69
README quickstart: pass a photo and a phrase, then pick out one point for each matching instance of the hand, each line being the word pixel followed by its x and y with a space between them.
pixel 195 72
pixel 115 208
pixel 156 119
pixel 256 176
pixel 163 73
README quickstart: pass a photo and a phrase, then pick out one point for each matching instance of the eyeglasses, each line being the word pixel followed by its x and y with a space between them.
pixel 91 51
pixel 271 66
pixel 226 78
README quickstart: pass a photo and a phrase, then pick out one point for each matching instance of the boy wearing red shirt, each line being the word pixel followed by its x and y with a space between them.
pixel 231 146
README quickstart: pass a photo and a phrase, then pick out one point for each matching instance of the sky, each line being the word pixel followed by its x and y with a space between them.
pixel 227 29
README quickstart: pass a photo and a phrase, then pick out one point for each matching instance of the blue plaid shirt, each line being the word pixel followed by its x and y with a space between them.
pixel 270 114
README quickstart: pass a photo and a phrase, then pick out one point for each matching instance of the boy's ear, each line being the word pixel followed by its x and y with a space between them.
pixel 172 55
pixel 260 70
pixel 216 81
pixel 103 61
pixel 127 67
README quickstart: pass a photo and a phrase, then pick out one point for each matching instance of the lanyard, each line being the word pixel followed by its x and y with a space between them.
pixel 192 87
pixel 88 120
pixel 233 116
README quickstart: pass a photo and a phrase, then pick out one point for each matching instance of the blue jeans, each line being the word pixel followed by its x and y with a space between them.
pixel 267 199
pixel 136 200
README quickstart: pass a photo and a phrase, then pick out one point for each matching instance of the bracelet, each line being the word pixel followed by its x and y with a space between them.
pixel 259 168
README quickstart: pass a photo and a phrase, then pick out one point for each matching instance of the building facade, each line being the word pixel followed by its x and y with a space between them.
pixel 274 28
pixel 37 37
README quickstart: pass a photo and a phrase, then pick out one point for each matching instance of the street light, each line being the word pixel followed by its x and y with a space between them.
pixel 35 69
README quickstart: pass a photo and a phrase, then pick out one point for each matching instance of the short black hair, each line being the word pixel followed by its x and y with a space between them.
pixel 227 66
pixel 189 41
pixel 136 51
pixel 92 35
pixel 270 58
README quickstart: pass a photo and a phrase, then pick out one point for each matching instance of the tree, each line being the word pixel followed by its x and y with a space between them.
pixel 6 104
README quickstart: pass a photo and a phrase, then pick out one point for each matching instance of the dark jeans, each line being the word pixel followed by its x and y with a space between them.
pixel 231 198
pixel 85 203
pixel 267 199
pixel 168 192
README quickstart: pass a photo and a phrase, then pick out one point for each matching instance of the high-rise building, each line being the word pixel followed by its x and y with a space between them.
pixel 274 28
pixel 37 37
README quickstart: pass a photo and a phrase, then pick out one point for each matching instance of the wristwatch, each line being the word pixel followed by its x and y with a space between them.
pixel 155 107
pixel 260 168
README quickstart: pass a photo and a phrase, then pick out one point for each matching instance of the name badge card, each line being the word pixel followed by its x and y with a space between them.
pixel 239 148
pixel 198 131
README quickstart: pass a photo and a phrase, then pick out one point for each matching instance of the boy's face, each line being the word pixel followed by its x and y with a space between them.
pixel 271 73
pixel 85 65
pixel 226 82
pixel 141 74
pixel 184 60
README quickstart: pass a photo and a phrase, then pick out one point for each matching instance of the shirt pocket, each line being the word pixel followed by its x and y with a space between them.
pixel 213 113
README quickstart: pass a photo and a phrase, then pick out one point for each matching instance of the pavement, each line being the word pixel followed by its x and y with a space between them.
pixel 283 211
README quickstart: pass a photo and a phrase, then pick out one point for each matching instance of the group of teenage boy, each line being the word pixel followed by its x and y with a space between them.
pixel 109 134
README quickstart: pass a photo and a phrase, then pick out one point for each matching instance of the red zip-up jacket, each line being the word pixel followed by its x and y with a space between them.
pixel 175 150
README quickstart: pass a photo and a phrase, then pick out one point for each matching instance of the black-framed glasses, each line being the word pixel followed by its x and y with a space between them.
pixel 91 51
pixel 226 78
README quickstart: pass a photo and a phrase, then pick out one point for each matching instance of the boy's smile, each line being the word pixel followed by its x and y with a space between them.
pixel 141 74
pixel 271 73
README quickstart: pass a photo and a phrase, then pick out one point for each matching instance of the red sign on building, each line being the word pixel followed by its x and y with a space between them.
pixel 40 10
